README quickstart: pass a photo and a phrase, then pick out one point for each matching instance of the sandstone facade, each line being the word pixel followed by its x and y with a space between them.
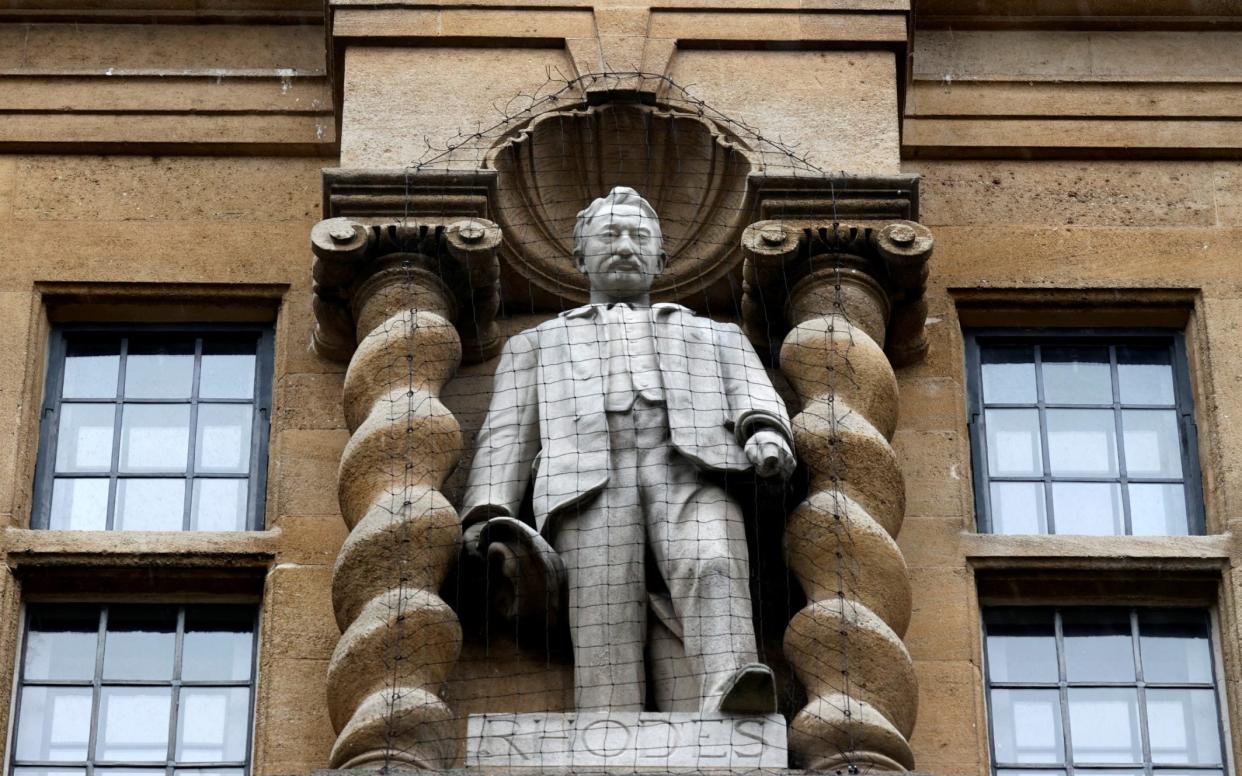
pixel 162 162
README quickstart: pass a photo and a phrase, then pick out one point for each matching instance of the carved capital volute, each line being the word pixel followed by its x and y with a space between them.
pixel 365 273
pixel 874 273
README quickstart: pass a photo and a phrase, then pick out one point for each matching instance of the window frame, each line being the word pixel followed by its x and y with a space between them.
pixel 1062 685
pixel 90 766
pixel 1183 396
pixel 53 389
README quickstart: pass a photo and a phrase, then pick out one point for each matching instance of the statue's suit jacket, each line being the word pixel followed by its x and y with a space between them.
pixel 547 410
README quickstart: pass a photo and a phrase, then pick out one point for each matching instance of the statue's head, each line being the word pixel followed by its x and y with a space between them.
pixel 618 244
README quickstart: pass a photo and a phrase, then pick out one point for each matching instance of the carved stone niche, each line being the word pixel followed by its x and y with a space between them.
pixel 410 269
pixel 691 170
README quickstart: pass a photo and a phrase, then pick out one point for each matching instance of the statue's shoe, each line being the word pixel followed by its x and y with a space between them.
pixel 752 690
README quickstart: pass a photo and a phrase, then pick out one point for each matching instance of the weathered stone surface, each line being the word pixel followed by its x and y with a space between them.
pixel 121 188
pixel 299 607
pixel 305 458
pixel 60 47
pixel 8 184
pixel 1077 55
pixel 765 89
pixel 1063 193
pixel 621 740
pixel 385 88
pixel 309 402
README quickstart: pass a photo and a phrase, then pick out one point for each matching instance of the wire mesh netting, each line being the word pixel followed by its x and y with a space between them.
pixel 624 471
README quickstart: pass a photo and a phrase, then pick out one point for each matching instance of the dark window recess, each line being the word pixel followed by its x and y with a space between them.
pixel 1083 435
pixel 139 690
pixel 1102 692
pixel 155 430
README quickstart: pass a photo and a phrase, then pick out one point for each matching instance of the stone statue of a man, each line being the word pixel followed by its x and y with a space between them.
pixel 630 415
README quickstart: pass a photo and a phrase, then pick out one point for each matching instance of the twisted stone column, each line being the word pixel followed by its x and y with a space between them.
pixel 837 291
pixel 399 640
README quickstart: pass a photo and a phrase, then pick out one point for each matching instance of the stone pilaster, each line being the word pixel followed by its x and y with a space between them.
pixel 836 294
pixel 410 292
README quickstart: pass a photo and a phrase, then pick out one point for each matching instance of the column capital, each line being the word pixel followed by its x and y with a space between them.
pixel 873 271
pixel 366 270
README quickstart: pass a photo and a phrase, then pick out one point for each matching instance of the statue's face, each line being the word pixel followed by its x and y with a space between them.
pixel 621 251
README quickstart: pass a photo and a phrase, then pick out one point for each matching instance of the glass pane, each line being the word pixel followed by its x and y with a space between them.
pixel 227 371
pixel 54 723
pixel 1153 448
pixel 155 437
pixel 1008 375
pixel 1082 443
pixel 129 772
pixel 208 772
pixel 1104 724
pixel 1021 646
pixel 139 643
pixel 133 724
pixel 48 772
pixel 1174 645
pixel 1037 772
pixel 1013 443
pixel 91 369
pixel 150 505
pixel 219 641
pixel 1098 647
pixel 224 438
pixel 1145 375
pixel 1027 726
pixel 1074 375
pixel 1088 508
pixel 1018 508
pixel 219 505
pixel 60 642
pixel 212 724
pixel 1158 510
pixel 160 368
pixel 79 504
pixel 1183 727
pixel 84 437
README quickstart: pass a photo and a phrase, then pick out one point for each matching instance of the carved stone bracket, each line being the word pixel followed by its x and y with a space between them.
pixel 401 301
pixel 844 298
pixel 354 261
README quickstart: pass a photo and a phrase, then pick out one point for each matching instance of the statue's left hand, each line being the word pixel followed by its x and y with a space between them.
pixel 770 454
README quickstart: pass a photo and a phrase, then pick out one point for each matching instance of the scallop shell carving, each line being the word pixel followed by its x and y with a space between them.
pixel 687 167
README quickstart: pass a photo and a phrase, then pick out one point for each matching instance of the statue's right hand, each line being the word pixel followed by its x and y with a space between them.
pixel 470 539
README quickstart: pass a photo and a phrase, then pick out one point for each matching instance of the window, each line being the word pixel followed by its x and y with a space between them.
pixel 1102 692
pixel 155 430
pixel 135 690
pixel 1082 435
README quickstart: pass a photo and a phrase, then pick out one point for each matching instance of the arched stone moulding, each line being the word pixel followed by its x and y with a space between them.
pixel 411 293
pixel 692 171
pixel 840 286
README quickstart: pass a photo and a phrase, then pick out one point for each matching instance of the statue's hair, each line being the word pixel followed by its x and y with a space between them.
pixel 620 195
